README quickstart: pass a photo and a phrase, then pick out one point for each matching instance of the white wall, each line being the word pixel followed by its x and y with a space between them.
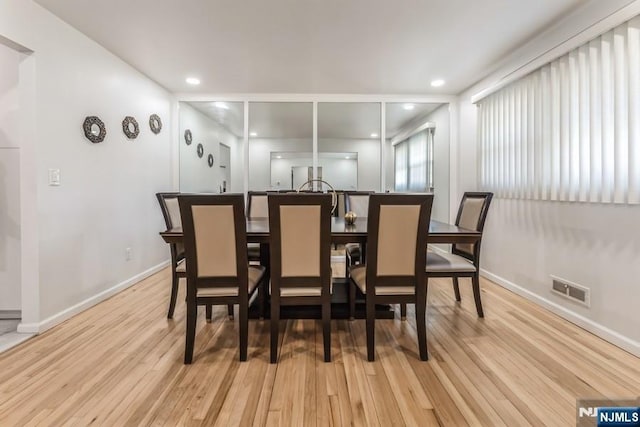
pixel 79 231
pixel 195 174
pixel 590 244
pixel 9 181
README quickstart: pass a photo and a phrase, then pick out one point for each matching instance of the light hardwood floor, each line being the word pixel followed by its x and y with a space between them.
pixel 120 363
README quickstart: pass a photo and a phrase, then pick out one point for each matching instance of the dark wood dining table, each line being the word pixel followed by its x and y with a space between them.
pixel 341 233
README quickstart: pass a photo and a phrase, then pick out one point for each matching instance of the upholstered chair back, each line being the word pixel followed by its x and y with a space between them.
pixel 471 215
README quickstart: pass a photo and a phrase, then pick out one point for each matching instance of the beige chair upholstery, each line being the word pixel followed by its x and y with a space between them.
pixel 182 266
pixel 300 228
pixel 218 270
pixel 464 259
pixel 258 206
pixel 394 272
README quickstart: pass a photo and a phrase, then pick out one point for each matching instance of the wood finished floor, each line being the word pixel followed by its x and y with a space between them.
pixel 120 363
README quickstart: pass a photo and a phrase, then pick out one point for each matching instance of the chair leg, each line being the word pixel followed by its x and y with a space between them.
pixel 371 329
pixel 326 327
pixel 243 308
pixel 275 325
pixel 192 316
pixel 209 311
pixel 456 288
pixel 403 311
pixel 262 298
pixel 175 280
pixel 476 294
pixel 230 311
pixel 421 322
pixel 352 300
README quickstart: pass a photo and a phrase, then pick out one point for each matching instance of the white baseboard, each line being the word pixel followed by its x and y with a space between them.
pixel 595 328
pixel 31 328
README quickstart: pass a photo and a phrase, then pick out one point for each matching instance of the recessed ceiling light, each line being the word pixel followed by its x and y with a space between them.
pixel 193 80
pixel 408 106
pixel 348 158
pixel 278 157
pixel 253 134
pixel 437 83
pixel 221 105
pixel 374 135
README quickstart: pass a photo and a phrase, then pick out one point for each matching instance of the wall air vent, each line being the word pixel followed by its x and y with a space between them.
pixel 572 291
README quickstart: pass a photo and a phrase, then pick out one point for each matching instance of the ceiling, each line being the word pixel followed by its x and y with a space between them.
pixel 293 46
pixel 337 120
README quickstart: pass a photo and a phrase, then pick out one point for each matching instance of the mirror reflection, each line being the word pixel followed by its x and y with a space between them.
pixel 219 127
pixel 282 129
pixel 349 145
pixel 417 151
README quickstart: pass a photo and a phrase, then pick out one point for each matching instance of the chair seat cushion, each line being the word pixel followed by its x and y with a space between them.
pixel 181 267
pixel 302 291
pixel 359 277
pixel 255 274
pixel 446 262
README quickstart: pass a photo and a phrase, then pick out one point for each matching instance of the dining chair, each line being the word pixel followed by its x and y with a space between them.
pixel 358 202
pixel 394 271
pixel 464 259
pixel 300 228
pixel 257 208
pixel 171 213
pixel 218 270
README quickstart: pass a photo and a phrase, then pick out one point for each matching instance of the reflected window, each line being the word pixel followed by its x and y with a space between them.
pixel 217 127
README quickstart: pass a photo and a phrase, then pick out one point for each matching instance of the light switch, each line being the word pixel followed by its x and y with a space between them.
pixel 54 177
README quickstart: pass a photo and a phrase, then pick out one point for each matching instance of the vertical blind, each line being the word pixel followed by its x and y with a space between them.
pixel 569 131
pixel 414 162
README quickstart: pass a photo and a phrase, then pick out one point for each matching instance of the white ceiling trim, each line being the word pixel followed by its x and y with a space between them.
pixel 311 97
pixel 613 20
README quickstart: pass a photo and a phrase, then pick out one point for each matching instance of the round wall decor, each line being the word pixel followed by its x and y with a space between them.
pixel 200 150
pixel 155 124
pixel 94 129
pixel 210 160
pixel 130 127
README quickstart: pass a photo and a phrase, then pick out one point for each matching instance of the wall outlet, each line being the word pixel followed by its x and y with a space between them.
pixel 54 177
pixel 127 254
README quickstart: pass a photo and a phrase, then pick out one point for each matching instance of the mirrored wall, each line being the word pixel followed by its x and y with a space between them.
pixel 280 144
pixel 349 145
pixel 353 150
pixel 211 147
pixel 417 151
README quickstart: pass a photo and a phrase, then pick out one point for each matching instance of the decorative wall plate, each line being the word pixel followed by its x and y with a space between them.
pixel 155 124
pixel 94 129
pixel 200 150
pixel 188 137
pixel 130 127
pixel 210 160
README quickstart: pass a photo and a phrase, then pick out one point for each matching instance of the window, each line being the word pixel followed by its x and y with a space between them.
pixel 568 131
pixel 414 163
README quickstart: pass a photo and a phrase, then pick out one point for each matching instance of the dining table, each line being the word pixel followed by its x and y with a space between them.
pixel 341 233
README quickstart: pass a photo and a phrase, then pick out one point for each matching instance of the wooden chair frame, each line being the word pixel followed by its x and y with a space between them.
pixel 194 282
pixel 475 258
pixel 418 280
pixel 323 281
pixel 176 255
